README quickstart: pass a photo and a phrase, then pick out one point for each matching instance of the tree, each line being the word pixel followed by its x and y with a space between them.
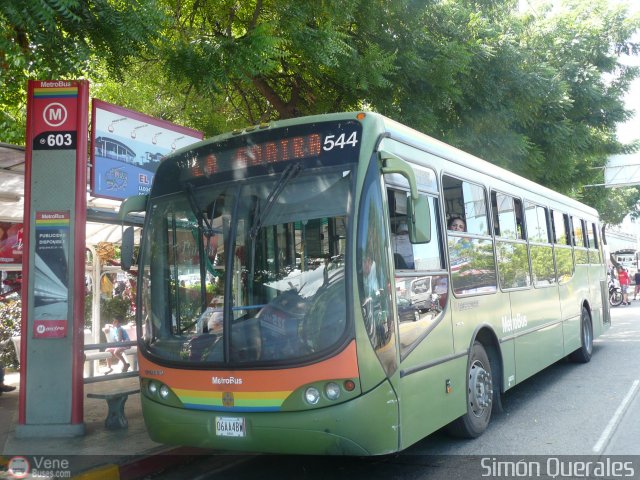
pixel 538 92
pixel 51 39
pixel 613 204
pixel 276 58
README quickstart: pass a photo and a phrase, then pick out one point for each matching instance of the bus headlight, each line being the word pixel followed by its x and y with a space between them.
pixel 332 391
pixel 164 391
pixel 153 388
pixel 312 395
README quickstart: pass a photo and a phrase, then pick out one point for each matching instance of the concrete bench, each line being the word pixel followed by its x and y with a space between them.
pixel 116 418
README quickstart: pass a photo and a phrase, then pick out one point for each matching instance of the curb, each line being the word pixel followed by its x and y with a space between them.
pixel 143 465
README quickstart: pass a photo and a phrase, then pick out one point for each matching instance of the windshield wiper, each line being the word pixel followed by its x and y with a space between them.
pixel 290 172
pixel 203 222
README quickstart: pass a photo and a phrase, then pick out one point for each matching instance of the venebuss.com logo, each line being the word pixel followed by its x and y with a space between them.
pixel 18 467
pixel 38 467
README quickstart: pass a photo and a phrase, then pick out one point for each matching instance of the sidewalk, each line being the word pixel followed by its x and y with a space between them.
pixel 100 453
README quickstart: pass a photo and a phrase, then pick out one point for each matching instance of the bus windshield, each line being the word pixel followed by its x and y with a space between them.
pixel 250 272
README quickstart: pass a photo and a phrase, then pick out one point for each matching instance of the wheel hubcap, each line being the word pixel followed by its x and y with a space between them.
pixel 480 389
pixel 588 339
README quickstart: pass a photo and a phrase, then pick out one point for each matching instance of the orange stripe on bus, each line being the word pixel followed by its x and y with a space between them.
pixel 343 365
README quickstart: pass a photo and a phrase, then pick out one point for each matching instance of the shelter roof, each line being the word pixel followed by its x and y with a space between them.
pixel 102 225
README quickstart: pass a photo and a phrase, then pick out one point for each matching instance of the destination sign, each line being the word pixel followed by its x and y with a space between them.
pixel 264 149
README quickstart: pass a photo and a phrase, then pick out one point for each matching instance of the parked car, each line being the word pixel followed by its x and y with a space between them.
pixel 407 312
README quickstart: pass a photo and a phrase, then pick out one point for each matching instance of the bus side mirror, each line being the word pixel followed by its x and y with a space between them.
pixel 126 249
pixel 137 203
pixel 419 220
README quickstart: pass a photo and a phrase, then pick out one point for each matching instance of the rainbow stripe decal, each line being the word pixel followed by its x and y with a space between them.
pixel 55 92
pixel 52 222
pixel 232 401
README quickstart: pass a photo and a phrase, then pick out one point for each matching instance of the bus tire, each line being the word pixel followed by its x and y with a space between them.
pixel 583 354
pixel 479 396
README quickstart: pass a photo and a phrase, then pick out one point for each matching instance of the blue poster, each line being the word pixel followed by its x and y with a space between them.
pixel 128 146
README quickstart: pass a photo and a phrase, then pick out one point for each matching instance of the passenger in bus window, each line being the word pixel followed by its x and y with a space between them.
pixel 456 224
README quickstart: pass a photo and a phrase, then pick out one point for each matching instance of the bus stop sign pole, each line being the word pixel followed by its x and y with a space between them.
pixel 51 386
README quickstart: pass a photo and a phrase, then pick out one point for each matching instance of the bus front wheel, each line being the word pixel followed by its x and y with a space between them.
pixel 479 396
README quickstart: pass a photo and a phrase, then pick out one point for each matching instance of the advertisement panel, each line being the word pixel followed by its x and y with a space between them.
pixel 11 243
pixel 51 282
pixel 127 147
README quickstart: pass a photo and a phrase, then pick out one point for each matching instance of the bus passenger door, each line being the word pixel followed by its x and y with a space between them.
pixel 424 325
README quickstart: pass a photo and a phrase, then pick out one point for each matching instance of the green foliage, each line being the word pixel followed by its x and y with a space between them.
pixel 88 310
pixel 52 39
pixel 538 91
pixel 115 306
pixel 539 94
pixel 10 321
pixel 613 204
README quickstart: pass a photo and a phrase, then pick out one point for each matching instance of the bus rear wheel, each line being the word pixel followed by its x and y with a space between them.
pixel 583 354
pixel 479 396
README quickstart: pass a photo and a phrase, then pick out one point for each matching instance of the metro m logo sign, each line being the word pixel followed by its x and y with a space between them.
pixel 54 114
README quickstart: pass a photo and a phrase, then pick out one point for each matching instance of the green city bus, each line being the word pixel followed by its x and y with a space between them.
pixel 299 291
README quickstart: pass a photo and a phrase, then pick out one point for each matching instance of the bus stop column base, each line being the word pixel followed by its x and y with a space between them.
pixel 50 431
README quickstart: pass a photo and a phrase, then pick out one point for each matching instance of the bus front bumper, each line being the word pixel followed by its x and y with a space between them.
pixel 367 425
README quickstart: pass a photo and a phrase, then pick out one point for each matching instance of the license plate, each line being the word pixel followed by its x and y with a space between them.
pixel 230 427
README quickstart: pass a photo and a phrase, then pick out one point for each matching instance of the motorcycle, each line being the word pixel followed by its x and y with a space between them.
pixel 615 292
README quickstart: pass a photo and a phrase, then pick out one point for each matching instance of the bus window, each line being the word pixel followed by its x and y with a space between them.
pixel 466 200
pixel 580 252
pixel 537 221
pixel 420 303
pixel 471 258
pixel 373 272
pixel 288 267
pixel 540 249
pixel 561 235
pixel 408 256
pixel 578 232
pixel 593 244
pixel 589 235
pixel 507 216
pixel 513 261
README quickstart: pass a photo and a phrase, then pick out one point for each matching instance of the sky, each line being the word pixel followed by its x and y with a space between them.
pixel 630 130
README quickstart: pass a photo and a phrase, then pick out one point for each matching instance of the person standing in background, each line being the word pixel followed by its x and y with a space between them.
pixel 4 388
pixel 623 278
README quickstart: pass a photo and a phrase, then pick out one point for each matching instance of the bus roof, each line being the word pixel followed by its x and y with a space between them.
pixel 422 141
pixel 436 147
